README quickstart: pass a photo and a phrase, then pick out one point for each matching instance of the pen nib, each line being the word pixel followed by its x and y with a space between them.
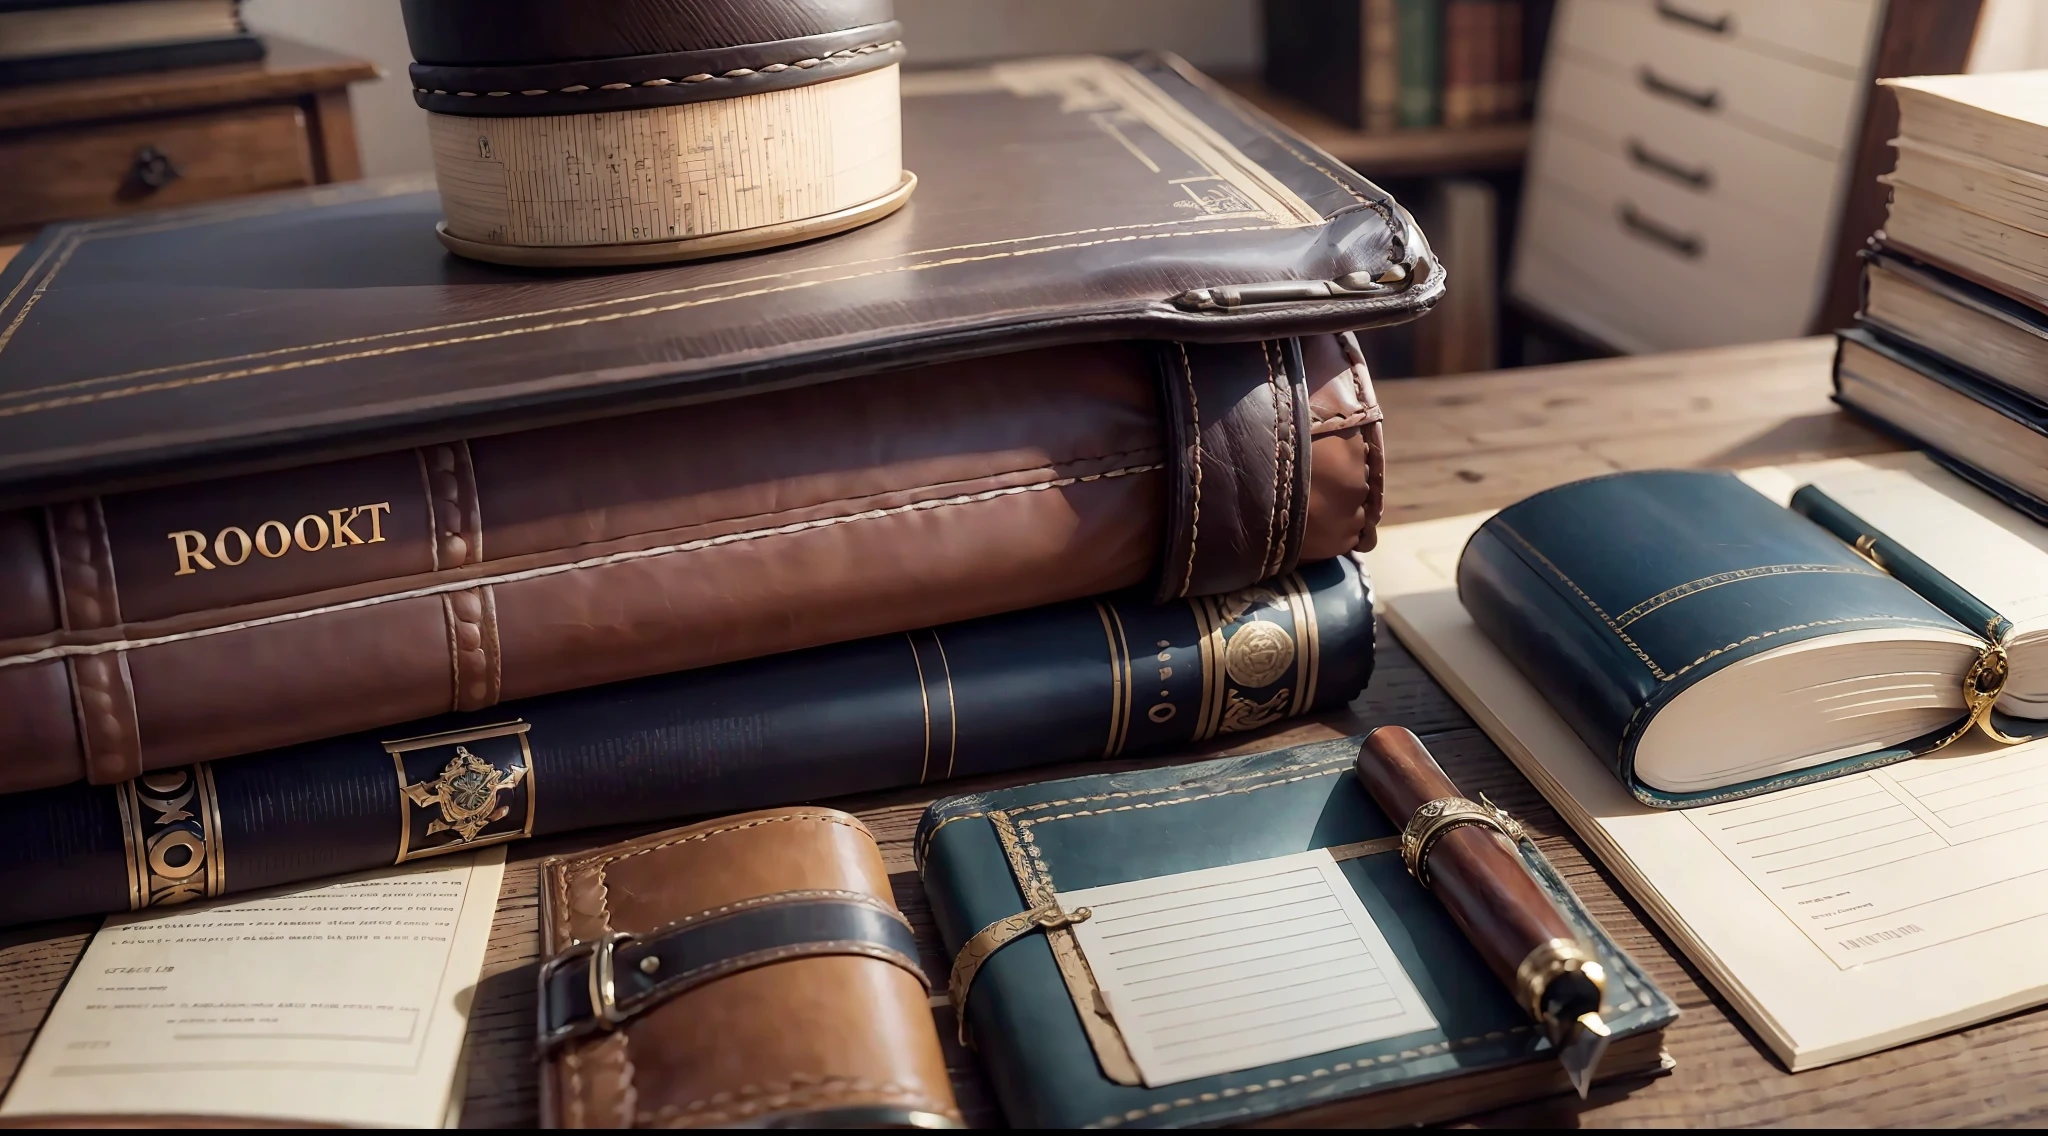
pixel 1584 1044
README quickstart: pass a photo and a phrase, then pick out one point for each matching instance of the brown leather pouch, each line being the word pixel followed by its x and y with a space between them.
pixel 747 971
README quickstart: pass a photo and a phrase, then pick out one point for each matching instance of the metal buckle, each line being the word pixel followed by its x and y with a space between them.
pixel 604 1006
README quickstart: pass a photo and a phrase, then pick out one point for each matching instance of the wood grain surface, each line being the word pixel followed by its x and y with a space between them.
pixel 289 71
pixel 81 171
pixel 1456 445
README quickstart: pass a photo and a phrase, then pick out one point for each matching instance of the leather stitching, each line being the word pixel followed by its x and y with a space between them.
pixel 558 886
pixel 602 862
pixel 1279 481
pixel 608 317
pixel 216 214
pixel 795 895
pixel 596 867
pixel 472 615
pixel 736 73
pixel 1329 766
pixel 1671 596
pixel 1334 425
pixel 800 1088
pixel 1588 600
pixel 448 621
pixel 1195 508
pixel 1298 1078
pixel 78 649
pixel 494 654
pixel 925 848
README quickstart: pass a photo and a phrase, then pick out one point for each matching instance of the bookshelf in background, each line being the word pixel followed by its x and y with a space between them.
pixel 1384 66
pixel 1430 98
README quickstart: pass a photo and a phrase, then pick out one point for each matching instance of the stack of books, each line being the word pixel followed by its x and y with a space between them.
pixel 1384 65
pixel 43 41
pixel 353 553
pixel 1951 345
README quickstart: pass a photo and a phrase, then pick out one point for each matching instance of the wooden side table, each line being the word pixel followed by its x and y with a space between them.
pixel 100 147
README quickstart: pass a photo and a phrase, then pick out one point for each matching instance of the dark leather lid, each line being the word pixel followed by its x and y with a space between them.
pixel 498 33
pixel 546 57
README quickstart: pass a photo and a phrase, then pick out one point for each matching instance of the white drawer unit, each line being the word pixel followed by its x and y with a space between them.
pixel 1829 35
pixel 1704 154
pixel 1689 162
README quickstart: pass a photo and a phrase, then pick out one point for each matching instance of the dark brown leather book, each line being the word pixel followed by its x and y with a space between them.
pixel 423 492
pixel 147 629
pixel 1059 201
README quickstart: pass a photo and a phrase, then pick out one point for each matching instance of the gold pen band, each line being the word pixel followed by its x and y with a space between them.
pixel 1435 818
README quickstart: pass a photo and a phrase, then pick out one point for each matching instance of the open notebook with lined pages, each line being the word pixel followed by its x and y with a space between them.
pixel 1839 918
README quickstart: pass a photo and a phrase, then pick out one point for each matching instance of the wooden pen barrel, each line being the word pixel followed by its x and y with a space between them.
pixel 1480 878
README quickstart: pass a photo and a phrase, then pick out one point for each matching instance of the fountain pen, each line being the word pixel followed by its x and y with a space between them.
pixel 1464 852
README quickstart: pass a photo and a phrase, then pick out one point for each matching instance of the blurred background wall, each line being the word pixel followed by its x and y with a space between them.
pixel 1217 34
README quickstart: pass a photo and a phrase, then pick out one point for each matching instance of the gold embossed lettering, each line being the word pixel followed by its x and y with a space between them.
pixel 343 534
pixel 233 546
pixel 377 512
pixel 192 556
pixel 1161 713
pixel 1165 673
pixel 263 542
pixel 220 546
pixel 319 526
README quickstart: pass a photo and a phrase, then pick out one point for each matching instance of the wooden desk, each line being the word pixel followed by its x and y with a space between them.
pixel 75 149
pixel 1456 445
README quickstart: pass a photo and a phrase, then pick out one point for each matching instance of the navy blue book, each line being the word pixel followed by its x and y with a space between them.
pixel 1711 644
pixel 1068 682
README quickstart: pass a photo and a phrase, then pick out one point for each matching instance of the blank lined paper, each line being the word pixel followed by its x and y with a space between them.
pixel 1244 965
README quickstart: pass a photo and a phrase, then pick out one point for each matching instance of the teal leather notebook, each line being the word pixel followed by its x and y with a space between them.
pixel 1037 1023
pixel 1712 644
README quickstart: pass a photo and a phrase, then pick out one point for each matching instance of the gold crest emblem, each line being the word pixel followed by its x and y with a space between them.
pixel 1258 654
pixel 467 792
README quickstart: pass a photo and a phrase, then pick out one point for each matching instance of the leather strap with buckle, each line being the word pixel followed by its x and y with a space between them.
pixel 600 984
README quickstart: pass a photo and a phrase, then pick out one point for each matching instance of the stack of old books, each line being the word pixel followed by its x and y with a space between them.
pixel 321 548
pixel 1952 343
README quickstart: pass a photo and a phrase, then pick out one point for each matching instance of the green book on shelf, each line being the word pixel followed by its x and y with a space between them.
pixel 1420 25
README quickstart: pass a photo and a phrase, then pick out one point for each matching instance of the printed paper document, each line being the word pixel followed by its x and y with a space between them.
pixel 344 1003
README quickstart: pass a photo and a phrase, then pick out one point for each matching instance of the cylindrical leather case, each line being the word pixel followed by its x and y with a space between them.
pixel 567 132
pixel 755 972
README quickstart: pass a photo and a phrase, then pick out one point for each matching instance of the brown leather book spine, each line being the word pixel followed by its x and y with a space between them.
pixel 1475 871
pixel 1514 91
pixel 1461 101
pixel 1485 49
pixel 521 564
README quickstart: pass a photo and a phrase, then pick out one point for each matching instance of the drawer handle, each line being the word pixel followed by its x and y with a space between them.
pixel 1722 24
pixel 1658 85
pixel 1698 177
pixel 1684 244
pixel 154 169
